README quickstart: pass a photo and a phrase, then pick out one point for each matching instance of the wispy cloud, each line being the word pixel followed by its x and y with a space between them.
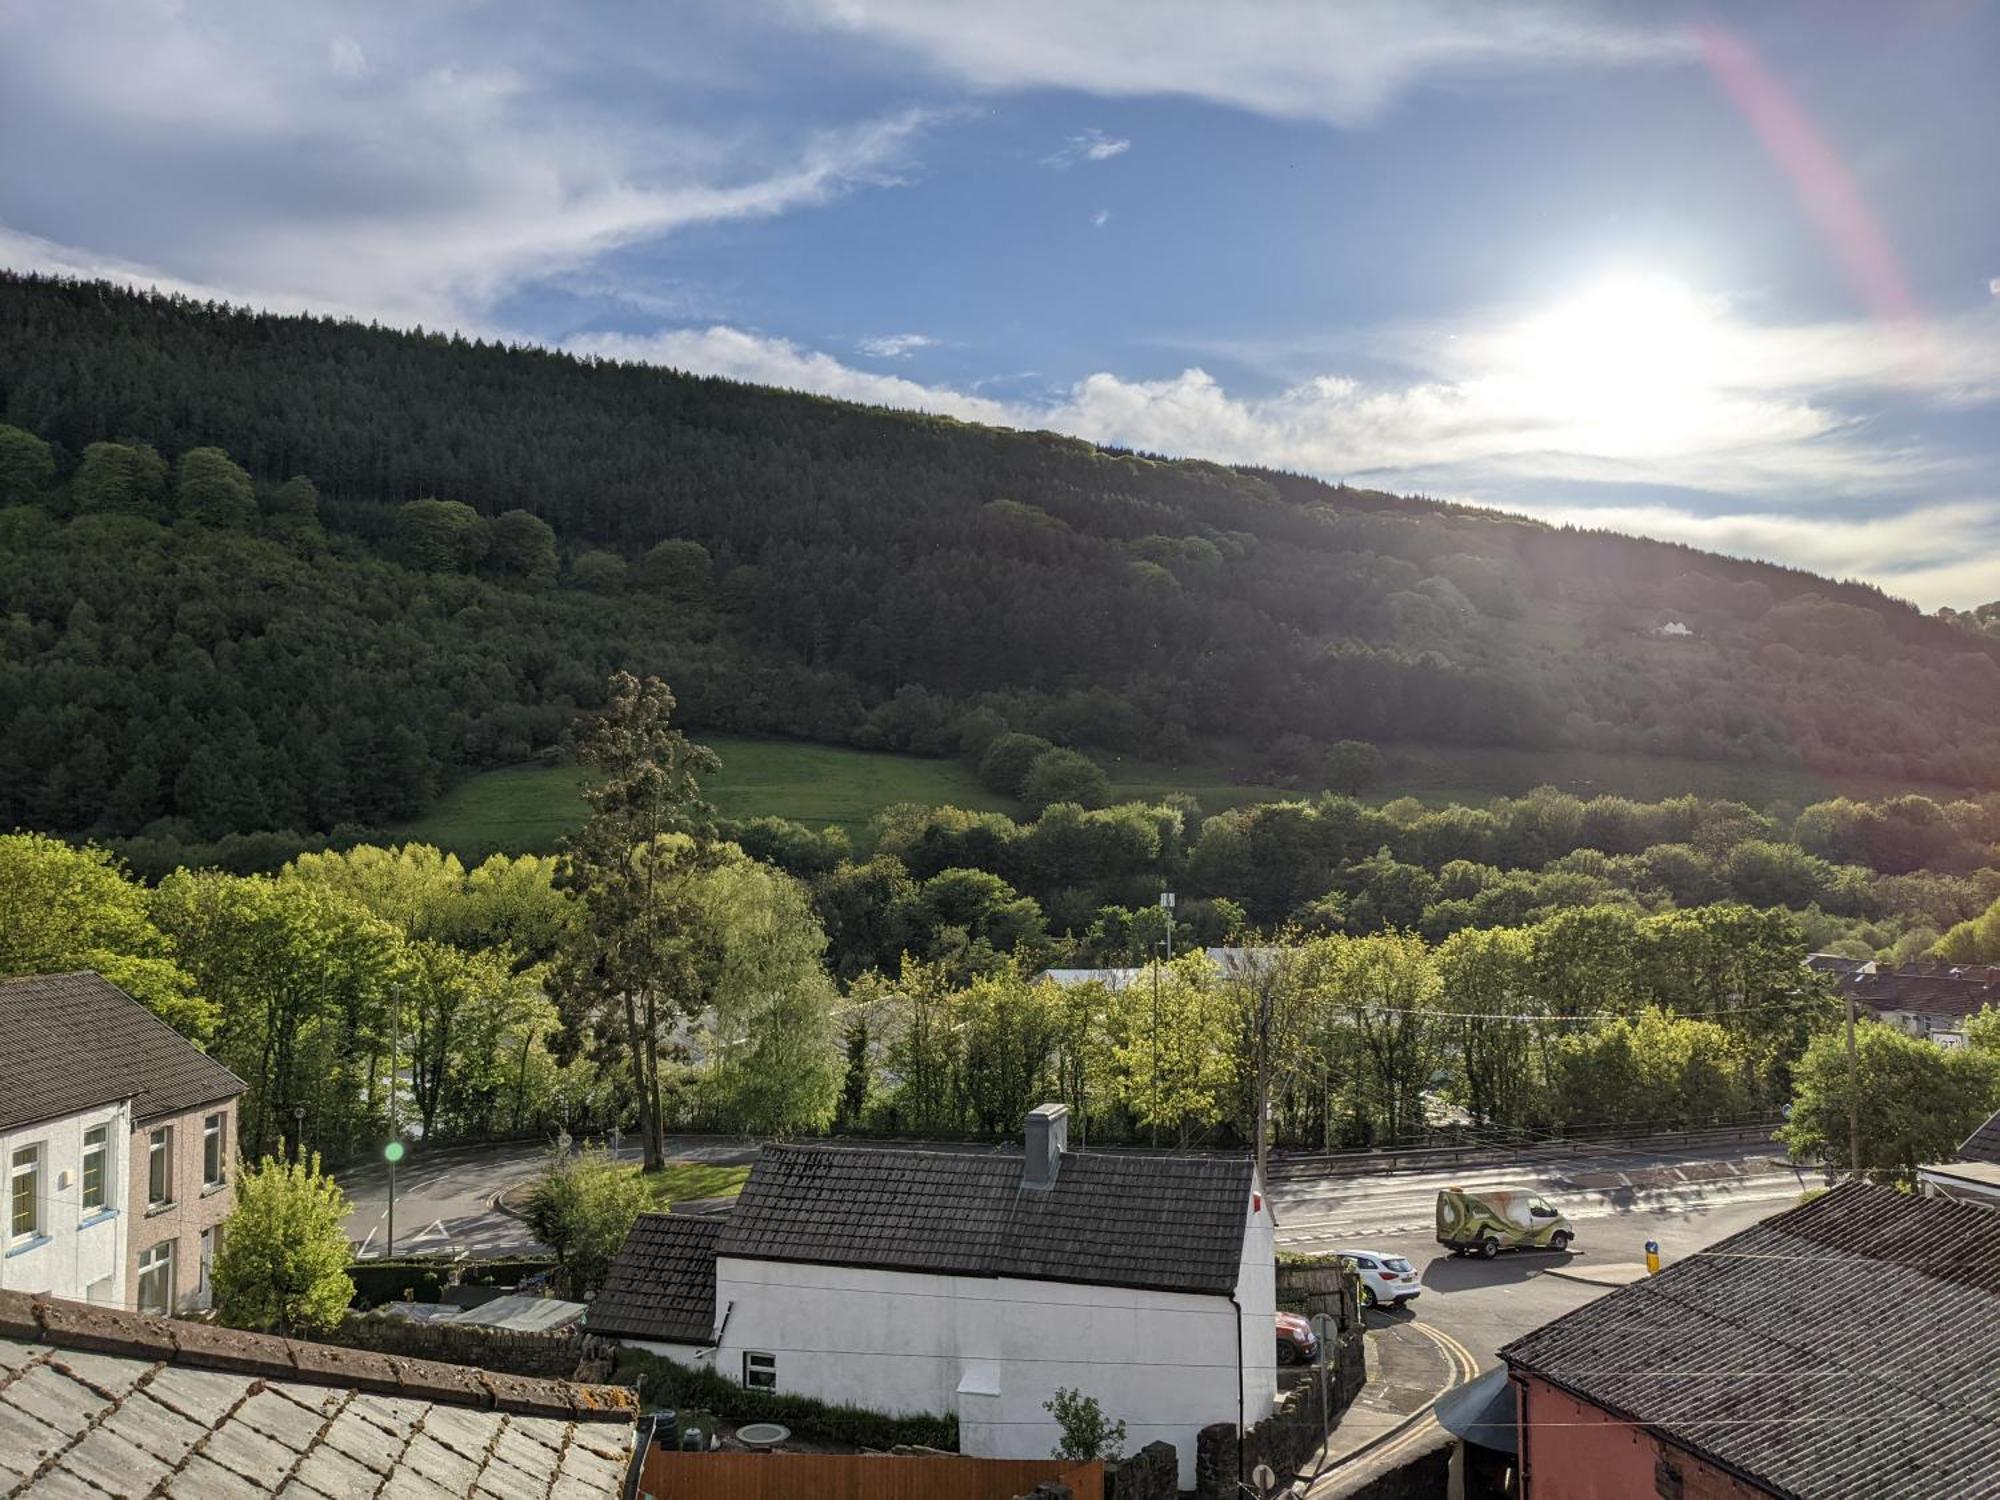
pixel 1301 59
pixel 1099 219
pixel 327 158
pixel 1092 145
pixel 894 345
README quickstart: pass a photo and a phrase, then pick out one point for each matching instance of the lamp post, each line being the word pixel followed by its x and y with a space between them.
pixel 393 1152
pixel 298 1132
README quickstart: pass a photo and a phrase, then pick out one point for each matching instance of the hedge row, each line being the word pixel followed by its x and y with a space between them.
pixel 672 1384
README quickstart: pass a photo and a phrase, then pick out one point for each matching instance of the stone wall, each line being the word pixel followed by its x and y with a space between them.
pixel 1153 1473
pixel 554 1356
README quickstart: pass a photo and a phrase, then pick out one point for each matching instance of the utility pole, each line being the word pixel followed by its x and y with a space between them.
pixel 1853 1096
pixel 1167 906
pixel 394 1150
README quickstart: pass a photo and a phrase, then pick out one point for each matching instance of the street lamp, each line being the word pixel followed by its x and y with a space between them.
pixel 298 1132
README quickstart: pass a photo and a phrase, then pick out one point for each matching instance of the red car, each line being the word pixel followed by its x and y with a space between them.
pixel 1297 1344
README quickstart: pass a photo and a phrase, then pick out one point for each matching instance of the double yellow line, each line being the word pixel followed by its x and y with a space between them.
pixel 1423 1426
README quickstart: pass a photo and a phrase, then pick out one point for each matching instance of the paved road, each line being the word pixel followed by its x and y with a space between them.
pixel 444 1199
pixel 1617 1199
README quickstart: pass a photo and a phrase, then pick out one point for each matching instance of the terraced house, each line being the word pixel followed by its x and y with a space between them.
pixel 119 1142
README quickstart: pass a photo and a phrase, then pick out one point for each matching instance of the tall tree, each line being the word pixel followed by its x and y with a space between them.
pixel 648 825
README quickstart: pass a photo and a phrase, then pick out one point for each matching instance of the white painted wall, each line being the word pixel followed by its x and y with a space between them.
pixel 993 1350
pixel 700 1356
pixel 73 1253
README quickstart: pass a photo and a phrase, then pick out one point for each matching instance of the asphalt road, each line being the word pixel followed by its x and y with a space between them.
pixel 1617 1200
pixel 444 1198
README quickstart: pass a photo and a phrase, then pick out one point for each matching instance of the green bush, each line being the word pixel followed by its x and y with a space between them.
pixel 379 1281
pixel 668 1383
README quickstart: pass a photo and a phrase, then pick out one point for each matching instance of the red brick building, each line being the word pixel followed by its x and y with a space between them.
pixel 1847 1348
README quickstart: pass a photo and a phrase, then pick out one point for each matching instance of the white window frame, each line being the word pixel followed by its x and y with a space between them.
pixel 24 1164
pixel 760 1370
pixel 160 1167
pixel 211 1242
pixel 215 1133
pixel 97 1154
pixel 159 1258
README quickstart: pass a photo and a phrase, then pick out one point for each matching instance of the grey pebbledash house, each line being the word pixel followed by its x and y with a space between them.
pixel 975 1283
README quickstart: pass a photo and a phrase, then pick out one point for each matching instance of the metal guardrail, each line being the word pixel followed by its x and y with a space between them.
pixel 1286 1165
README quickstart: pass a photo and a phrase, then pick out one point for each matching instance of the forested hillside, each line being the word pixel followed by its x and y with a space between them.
pixel 434 551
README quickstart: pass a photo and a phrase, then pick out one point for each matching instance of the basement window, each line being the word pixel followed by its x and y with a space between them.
pixel 760 1371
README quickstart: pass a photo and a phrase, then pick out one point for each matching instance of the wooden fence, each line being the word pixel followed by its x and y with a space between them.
pixel 671 1475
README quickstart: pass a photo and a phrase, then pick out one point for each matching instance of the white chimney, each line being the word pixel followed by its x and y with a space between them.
pixel 1048 1138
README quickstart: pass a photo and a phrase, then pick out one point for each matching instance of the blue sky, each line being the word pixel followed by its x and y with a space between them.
pixel 1729 275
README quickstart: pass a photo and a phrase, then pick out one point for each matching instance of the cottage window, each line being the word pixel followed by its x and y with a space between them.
pixel 156 1279
pixel 760 1371
pixel 214 1148
pixel 96 1158
pixel 160 1166
pixel 24 1195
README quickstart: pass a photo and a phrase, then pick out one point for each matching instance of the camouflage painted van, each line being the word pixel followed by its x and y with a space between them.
pixel 1495 1219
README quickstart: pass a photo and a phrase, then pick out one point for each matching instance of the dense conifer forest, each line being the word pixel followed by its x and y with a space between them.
pixel 265 572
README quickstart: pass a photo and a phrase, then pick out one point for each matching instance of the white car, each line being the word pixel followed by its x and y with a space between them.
pixel 1386 1280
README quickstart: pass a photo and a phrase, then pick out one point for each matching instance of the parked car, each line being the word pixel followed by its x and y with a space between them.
pixel 1490 1220
pixel 1386 1280
pixel 1297 1344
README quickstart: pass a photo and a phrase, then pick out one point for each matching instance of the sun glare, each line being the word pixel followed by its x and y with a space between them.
pixel 1634 358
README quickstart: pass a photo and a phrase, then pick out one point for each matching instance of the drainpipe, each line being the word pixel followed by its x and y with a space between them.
pixel 1240 1409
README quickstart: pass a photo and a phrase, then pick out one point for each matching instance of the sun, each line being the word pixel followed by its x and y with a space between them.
pixel 1634 358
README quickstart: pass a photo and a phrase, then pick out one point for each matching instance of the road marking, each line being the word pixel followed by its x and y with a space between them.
pixel 1417 1428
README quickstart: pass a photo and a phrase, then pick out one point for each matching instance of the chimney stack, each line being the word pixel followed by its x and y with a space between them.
pixel 1048 1138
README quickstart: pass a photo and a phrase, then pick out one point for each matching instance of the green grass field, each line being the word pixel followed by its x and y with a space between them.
pixel 681 1181
pixel 528 808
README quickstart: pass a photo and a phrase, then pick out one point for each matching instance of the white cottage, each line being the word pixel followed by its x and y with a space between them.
pixel 977 1282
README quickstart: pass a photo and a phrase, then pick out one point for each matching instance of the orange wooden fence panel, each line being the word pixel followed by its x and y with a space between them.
pixel 671 1475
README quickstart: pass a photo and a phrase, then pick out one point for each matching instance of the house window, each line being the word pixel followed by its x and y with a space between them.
pixel 160 1166
pixel 156 1279
pixel 214 1149
pixel 24 1194
pixel 96 1158
pixel 211 1237
pixel 760 1371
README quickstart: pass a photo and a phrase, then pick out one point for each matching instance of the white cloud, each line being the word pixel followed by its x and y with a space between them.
pixel 1092 145
pixel 329 158
pixel 742 355
pixel 895 345
pixel 1293 58
pixel 1099 219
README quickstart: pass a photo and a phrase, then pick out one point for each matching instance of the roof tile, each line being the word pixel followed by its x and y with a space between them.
pixel 1160 1222
pixel 72 1042
pixel 1766 1352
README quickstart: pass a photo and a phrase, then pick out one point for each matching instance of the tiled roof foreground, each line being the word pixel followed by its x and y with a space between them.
pixel 1848 1349
pixel 97 1402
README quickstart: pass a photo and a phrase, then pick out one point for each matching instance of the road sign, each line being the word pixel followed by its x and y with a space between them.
pixel 393 1151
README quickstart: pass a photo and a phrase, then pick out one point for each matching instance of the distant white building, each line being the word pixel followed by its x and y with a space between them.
pixel 975 1283
pixel 1231 963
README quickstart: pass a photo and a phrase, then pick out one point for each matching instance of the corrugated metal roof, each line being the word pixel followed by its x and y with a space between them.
pixel 71 1042
pixel 1848 1348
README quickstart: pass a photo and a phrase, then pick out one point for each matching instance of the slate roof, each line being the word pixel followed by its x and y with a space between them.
pixel 1984 1143
pixel 97 1402
pixel 1846 1350
pixel 71 1042
pixel 1170 1223
pixel 1929 992
pixel 662 1284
